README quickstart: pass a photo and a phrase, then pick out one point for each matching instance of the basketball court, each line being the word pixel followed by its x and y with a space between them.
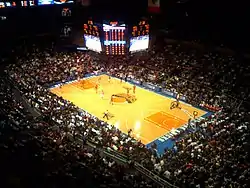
pixel 148 114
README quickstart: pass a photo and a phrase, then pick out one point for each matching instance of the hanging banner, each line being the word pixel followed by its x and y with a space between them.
pixel 84 2
pixel 154 6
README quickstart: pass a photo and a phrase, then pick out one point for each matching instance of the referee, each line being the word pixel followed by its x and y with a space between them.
pixel 106 115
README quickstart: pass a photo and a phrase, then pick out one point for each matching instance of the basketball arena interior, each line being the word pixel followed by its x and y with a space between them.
pixel 111 94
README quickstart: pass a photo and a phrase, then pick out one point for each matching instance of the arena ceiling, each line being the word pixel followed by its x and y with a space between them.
pixel 207 20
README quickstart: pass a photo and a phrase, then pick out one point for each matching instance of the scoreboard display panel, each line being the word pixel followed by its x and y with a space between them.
pixel 10 3
pixel 114 38
pixel 45 2
pixel 28 3
pixel 91 29
pixel 25 3
pixel 6 4
pixel 141 29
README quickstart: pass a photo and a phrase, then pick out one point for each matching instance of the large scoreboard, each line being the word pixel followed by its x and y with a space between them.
pixel 114 38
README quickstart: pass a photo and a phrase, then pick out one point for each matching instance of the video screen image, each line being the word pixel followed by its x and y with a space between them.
pixel 45 2
pixel 60 2
pixel 10 4
pixel 93 43
pixel 139 43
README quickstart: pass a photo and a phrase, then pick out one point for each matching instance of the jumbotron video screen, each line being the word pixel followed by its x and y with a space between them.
pixel 93 43
pixel 139 43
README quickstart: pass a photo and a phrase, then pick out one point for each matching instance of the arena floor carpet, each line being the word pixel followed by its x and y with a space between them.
pixel 149 116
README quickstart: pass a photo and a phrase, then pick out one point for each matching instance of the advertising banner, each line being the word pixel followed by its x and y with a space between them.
pixel 154 6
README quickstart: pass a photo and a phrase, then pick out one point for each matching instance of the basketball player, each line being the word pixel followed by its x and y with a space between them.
pixel 109 79
pixel 178 100
pixel 134 88
pixel 112 99
pixel 102 94
pixel 189 122
pixel 130 132
pixel 172 106
pixel 96 88
pixel 83 83
pixel 127 91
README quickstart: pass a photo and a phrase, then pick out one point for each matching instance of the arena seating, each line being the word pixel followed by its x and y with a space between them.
pixel 216 154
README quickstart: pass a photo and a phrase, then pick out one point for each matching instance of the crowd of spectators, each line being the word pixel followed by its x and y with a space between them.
pixel 32 147
pixel 215 154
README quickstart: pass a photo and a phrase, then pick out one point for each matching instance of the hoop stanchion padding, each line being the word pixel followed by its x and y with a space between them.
pixel 122 97
pixel 119 99
pixel 86 84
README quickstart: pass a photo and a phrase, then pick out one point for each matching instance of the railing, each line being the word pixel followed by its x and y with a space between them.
pixel 153 176
pixel 124 159
pixel 21 98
